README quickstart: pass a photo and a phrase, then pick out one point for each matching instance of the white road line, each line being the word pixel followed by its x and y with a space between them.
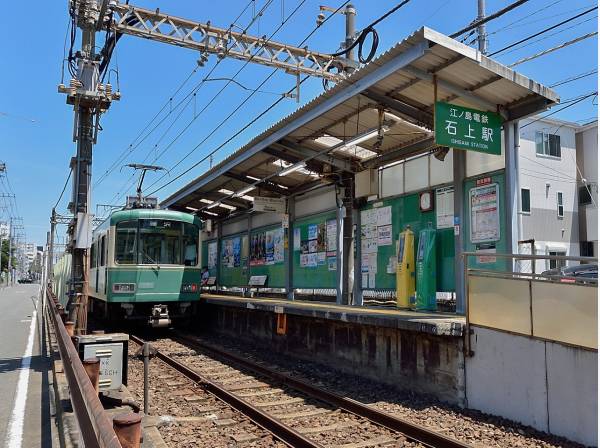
pixel 15 429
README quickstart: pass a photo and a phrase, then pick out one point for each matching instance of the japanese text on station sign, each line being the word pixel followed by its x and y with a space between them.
pixel 464 128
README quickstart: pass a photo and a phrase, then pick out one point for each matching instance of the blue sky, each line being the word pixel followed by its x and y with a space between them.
pixel 37 153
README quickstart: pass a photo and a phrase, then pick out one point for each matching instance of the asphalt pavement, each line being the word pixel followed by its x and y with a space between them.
pixel 24 376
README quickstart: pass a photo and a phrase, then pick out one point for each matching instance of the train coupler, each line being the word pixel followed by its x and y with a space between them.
pixel 159 317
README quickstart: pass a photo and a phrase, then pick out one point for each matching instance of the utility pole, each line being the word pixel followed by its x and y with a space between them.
pixel 350 30
pixel 89 98
pixel 481 29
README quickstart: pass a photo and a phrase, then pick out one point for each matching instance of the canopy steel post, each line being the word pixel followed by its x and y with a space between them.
pixel 511 144
pixel 459 159
pixel 219 238
pixel 289 258
pixel 358 288
pixel 340 211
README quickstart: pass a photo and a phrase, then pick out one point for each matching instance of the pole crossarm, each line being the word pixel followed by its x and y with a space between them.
pixel 204 37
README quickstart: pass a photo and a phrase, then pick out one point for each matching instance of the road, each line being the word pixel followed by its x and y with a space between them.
pixel 24 407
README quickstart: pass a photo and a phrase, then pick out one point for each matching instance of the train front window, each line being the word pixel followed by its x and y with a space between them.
pixel 125 246
pixel 160 241
pixel 190 244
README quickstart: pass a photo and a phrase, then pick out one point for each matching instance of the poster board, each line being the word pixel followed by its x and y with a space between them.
pixel 267 254
pixel 210 256
pixel 233 260
pixel 315 251
pixel 381 223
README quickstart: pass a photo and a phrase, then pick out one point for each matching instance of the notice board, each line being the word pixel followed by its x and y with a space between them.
pixel 267 254
pixel 380 227
pixel 315 252
pixel 234 260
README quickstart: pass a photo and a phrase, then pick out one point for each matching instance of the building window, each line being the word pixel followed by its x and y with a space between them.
pixel 554 264
pixel 585 196
pixel 547 144
pixel 525 200
pixel 560 209
pixel 586 248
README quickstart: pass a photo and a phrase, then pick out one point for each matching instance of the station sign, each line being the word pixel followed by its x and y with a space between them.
pixel 264 204
pixel 470 129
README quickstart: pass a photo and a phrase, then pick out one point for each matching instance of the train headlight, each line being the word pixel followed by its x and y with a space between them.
pixel 192 287
pixel 123 288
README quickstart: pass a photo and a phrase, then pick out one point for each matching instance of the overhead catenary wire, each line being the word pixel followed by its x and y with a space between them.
pixel 573 103
pixel 130 148
pixel 118 195
pixel 553 49
pixel 550 28
pixel 63 190
pixel 486 19
pixel 574 78
pixel 250 123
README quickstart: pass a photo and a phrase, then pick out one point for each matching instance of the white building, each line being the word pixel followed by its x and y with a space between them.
pixel 549 196
pixel 587 163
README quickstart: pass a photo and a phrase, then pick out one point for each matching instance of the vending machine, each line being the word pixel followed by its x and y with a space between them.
pixel 426 270
pixel 405 270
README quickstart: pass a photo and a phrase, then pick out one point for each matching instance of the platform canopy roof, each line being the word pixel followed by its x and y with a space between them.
pixel 381 113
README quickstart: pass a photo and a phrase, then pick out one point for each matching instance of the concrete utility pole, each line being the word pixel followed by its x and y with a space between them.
pixel 350 29
pixel 50 261
pixel 481 32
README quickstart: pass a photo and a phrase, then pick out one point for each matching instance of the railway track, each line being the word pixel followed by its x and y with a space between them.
pixel 296 412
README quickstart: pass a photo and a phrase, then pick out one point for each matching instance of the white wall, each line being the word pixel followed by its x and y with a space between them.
pixel 545 176
pixel 587 161
pixel 549 386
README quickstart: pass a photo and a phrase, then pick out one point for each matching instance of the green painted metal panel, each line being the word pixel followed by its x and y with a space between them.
pixel 470 129
pixel 233 260
pixel 499 243
pixel 146 213
pixel 405 211
pixel 319 276
pixel 273 268
pixel 153 284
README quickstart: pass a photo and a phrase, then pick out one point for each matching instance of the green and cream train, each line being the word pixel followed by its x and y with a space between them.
pixel 145 264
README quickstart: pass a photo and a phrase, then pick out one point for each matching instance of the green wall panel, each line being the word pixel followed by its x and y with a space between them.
pixel 275 272
pixel 316 276
pixel 405 211
pixel 501 244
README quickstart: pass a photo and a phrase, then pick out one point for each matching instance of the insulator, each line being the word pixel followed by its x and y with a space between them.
pixel 108 89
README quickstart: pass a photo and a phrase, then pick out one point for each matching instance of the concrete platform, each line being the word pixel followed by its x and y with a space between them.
pixel 441 324
pixel 26 406
pixel 423 352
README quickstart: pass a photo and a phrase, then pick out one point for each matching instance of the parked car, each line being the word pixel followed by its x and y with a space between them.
pixel 572 274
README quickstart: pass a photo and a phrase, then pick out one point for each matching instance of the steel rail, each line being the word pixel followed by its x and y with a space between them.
pixel 271 424
pixel 95 427
pixel 418 433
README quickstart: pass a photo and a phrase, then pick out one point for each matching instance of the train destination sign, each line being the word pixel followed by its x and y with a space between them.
pixel 470 129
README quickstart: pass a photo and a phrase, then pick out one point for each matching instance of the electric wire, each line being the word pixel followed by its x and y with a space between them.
pixel 553 49
pixel 550 28
pixel 572 103
pixel 250 123
pixel 574 78
pixel 131 146
pixel 118 195
pixel 63 190
pixel 486 19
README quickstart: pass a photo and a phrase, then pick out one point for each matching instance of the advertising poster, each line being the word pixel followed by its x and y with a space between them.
pixel 312 231
pixel 331 235
pixel 384 216
pixel 384 235
pixel 212 255
pixel 332 264
pixel 321 258
pixel 269 248
pixel 444 207
pixel 321 238
pixel 303 260
pixel 311 260
pixel 485 215
pixel 368 216
pixel 237 251
pixel 304 246
pixel 227 257
pixel 368 231
pixel 297 240
pixel 312 246
pixel 368 246
pixel 278 246
pixel 257 249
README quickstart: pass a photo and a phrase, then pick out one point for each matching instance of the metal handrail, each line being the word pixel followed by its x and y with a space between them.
pixel 94 425
pixel 530 256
